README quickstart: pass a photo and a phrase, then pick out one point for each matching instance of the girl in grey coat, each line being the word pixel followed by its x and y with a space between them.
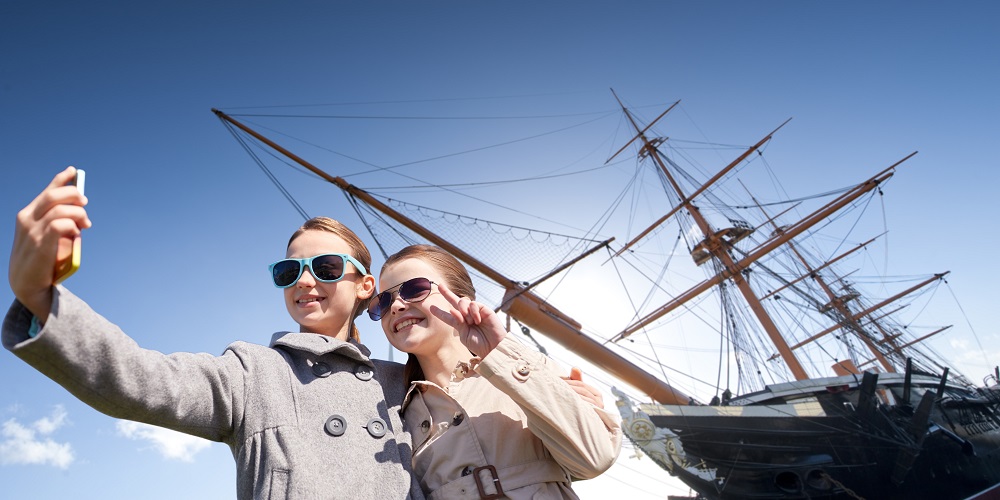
pixel 294 413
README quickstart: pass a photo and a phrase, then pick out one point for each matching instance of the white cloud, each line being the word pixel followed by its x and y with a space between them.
pixel 48 425
pixel 25 444
pixel 172 445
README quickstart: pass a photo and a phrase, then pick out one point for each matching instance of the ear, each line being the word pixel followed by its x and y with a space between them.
pixel 366 288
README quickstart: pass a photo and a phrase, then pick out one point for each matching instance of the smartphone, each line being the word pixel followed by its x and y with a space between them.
pixel 68 254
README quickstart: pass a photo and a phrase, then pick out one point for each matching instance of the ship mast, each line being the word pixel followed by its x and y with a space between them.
pixel 518 302
pixel 717 244
pixel 837 302
pixel 855 316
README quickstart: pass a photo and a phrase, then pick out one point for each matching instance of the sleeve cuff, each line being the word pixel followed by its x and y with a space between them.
pixel 34 328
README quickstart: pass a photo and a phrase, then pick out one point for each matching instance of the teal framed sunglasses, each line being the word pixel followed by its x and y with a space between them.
pixel 326 268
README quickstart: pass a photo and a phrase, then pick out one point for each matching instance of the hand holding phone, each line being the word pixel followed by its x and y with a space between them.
pixel 68 254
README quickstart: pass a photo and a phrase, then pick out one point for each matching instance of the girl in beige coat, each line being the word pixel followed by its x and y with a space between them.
pixel 489 418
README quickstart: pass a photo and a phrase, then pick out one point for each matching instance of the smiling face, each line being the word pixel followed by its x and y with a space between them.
pixel 411 327
pixel 325 308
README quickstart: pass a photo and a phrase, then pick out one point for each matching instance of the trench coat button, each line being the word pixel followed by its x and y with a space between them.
pixel 321 370
pixel 336 425
pixel 364 372
pixel 425 426
pixel 467 470
pixel 457 419
pixel 521 371
pixel 376 427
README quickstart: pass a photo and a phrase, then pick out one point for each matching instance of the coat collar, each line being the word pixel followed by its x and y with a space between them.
pixel 462 371
pixel 322 344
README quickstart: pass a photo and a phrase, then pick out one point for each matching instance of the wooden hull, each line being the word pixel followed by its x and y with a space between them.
pixel 827 443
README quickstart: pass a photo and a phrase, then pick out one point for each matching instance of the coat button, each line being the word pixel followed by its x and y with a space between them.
pixel 364 372
pixel 467 470
pixel 376 427
pixel 457 419
pixel 425 426
pixel 336 425
pixel 321 370
pixel 521 371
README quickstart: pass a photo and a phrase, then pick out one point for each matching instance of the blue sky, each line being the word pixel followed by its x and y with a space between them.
pixel 185 224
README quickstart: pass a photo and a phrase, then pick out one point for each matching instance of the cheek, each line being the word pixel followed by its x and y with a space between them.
pixel 289 303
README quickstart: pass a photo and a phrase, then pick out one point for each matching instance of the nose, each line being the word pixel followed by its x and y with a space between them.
pixel 308 279
pixel 397 299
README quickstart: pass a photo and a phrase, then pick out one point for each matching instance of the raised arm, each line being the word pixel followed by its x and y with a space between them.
pixel 58 334
pixel 580 436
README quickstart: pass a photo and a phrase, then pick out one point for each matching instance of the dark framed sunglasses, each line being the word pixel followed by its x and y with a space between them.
pixel 327 268
pixel 410 291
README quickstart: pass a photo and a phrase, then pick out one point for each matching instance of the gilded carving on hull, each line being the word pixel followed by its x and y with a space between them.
pixel 661 445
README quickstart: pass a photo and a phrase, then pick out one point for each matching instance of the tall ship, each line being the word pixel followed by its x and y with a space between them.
pixel 813 380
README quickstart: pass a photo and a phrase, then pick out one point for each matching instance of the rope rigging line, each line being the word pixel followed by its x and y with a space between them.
pixel 659 363
pixel 488 238
pixel 392 168
pixel 421 101
pixel 885 230
pixel 803 308
pixel 480 200
pixel 966 316
pixel 697 127
pixel 356 204
pixel 711 199
pixel 867 202
pixel 653 362
pixel 446 187
pixel 723 350
pixel 451 189
pixel 492 183
pixel 308 143
pixel 795 200
pixel 933 291
pixel 274 180
pixel 655 283
pixel 491 224
pixel 605 218
pixel 429 117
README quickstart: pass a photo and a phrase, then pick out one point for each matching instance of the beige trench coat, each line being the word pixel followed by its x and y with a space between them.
pixel 507 422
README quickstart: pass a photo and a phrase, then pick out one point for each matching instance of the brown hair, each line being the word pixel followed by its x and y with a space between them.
pixel 455 275
pixel 358 251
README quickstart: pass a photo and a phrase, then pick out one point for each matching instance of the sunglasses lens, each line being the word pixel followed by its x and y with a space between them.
pixel 285 272
pixel 378 305
pixel 328 267
pixel 415 290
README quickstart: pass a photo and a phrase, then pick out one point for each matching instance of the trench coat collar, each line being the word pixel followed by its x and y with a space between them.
pixel 462 371
pixel 322 344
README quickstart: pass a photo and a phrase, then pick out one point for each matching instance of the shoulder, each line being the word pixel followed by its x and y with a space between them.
pixel 243 348
pixel 387 365
pixel 388 371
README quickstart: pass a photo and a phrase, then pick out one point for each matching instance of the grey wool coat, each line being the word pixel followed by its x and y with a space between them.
pixel 309 417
